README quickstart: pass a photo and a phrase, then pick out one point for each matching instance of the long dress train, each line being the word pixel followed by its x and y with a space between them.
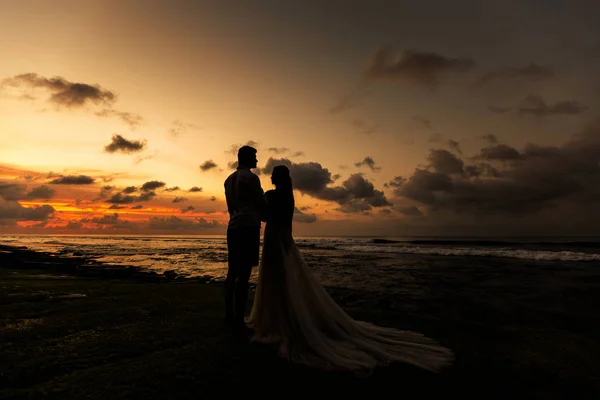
pixel 293 309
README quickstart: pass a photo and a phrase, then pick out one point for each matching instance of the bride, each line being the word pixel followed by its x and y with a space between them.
pixel 294 311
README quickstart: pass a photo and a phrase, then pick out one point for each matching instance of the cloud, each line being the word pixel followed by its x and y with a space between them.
pixel 491 139
pixel 350 99
pixel 233 149
pixel 40 192
pixel 11 211
pixel 12 191
pixel 177 224
pixel 152 185
pixel 195 189
pixel 232 165
pixel 369 162
pixel 120 144
pixel 454 146
pixel 107 190
pixel 62 92
pixel 179 127
pixel 137 207
pixel 131 119
pixel 179 199
pixel 418 67
pixel 172 189
pixel 187 209
pixel 410 211
pixel 278 150
pixel 300 216
pixel 113 220
pixel 531 72
pixel 213 198
pixel 116 207
pixel 507 181
pixel 71 179
pixel 129 189
pixel 535 105
pixel 208 165
pixel 312 179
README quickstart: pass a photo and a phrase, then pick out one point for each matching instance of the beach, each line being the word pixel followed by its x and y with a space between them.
pixel 72 329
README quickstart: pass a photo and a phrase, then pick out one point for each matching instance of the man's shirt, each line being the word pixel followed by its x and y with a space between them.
pixel 245 199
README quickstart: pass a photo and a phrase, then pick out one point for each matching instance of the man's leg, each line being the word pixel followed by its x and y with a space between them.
pixel 232 275
pixel 241 293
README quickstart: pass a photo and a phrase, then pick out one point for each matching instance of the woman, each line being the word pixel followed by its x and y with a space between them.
pixel 293 310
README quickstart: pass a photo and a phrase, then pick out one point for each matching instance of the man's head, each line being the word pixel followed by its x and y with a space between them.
pixel 247 157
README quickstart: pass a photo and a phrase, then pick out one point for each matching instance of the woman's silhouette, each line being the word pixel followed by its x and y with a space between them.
pixel 292 309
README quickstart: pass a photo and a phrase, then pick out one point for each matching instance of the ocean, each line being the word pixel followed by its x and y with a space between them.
pixel 365 263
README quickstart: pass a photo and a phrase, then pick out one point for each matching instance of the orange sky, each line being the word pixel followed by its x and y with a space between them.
pixel 359 99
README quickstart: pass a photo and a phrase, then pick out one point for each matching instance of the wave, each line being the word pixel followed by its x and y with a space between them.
pixel 479 252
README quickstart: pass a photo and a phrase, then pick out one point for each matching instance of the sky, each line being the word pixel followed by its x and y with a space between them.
pixel 396 118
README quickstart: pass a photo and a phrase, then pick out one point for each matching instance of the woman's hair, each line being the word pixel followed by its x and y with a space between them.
pixel 281 177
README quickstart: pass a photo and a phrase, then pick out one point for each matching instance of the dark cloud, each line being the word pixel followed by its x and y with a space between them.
pixel 213 198
pixel 179 199
pixel 13 211
pixel 187 209
pixel 297 154
pixel 137 207
pixel 172 189
pixel 415 66
pixel 410 211
pixel 531 72
pixel 146 196
pixel 511 181
pixel 395 183
pixel 12 191
pixel 535 105
pixel 208 165
pixel 119 198
pixel 369 162
pixel 195 189
pixel 312 179
pixel 113 220
pixel 40 192
pixel 63 92
pixel 129 190
pixel 133 120
pixel 120 144
pixel 116 207
pixel 177 224
pixel 106 190
pixel 232 165
pixel 152 185
pixel 498 152
pixel 278 150
pixel 444 162
pixel 454 146
pixel 491 139
pixel 72 180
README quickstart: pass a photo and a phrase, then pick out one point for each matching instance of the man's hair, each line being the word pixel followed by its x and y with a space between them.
pixel 246 153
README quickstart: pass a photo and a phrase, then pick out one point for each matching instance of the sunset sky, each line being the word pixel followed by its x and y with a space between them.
pixel 396 118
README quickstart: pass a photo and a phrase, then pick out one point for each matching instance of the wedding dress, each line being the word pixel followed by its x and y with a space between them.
pixel 292 309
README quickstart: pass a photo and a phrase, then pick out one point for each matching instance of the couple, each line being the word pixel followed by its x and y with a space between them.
pixel 291 309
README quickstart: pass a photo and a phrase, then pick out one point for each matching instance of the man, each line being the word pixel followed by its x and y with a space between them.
pixel 246 206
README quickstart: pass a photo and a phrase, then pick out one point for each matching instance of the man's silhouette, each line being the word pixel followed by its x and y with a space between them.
pixel 246 206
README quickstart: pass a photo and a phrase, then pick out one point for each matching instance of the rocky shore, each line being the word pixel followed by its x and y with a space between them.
pixel 74 328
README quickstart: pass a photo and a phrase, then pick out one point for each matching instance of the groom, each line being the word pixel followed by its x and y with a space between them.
pixel 246 206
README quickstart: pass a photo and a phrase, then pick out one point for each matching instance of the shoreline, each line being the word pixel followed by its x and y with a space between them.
pixel 69 331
